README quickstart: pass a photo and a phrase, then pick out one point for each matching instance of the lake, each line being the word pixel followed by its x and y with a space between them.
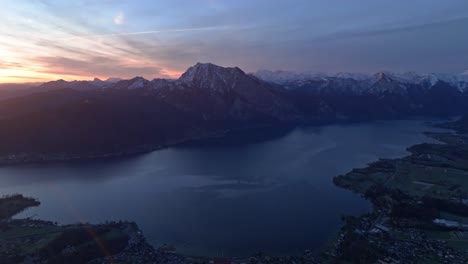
pixel 264 190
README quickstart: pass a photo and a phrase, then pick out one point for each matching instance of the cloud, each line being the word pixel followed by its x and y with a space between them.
pixel 153 39
pixel 119 19
pixel 26 78
pixel 6 64
pixel 99 66
pixel 141 32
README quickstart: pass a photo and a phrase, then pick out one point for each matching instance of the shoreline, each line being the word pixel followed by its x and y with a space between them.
pixel 18 159
pixel 410 204
pixel 39 158
pixel 329 253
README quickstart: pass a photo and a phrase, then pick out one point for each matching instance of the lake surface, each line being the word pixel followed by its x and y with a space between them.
pixel 269 191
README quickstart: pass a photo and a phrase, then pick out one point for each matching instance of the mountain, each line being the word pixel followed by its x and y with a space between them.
pixel 228 95
pixel 76 85
pixel 61 84
pixel 68 123
pixel 135 83
pixel 100 83
pixel 113 80
pixel 382 95
pixel 428 79
pixel 281 77
pixel 61 119
pixel 8 91
pixel 385 84
pixel 78 119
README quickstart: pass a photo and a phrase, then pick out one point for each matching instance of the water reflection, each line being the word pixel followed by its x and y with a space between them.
pixel 269 190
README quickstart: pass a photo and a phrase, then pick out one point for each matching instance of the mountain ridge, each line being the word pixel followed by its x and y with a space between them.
pixel 97 118
pixel 281 77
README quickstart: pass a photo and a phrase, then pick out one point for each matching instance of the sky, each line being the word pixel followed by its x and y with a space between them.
pixel 81 39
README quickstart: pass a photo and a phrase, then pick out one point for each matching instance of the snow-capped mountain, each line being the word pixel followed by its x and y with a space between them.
pixel 213 77
pixel 226 93
pixel 351 75
pixel 383 83
pixel 288 78
pixel 458 80
pixel 216 93
pixel 281 77
pixel 134 83
pixel 379 83
pixel 100 83
pixel 383 94
pixel 140 114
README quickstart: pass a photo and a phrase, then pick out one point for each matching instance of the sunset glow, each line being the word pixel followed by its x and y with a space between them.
pixel 50 39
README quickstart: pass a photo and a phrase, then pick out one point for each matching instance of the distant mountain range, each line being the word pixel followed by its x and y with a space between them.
pixel 382 95
pixel 63 120
pixel 283 77
pixel 11 90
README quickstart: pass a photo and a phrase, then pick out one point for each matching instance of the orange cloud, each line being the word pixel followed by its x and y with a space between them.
pixel 173 74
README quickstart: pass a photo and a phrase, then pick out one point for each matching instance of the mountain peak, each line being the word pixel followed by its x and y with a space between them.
pixel 136 78
pixel 205 64
pixel 209 65
pixel 210 75
pixel 134 83
pixel 203 67
pixel 137 82
pixel 441 83
pixel 380 76
pixel 113 79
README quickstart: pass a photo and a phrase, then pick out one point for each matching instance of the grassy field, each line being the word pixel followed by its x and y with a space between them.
pixel 434 170
pixel 435 176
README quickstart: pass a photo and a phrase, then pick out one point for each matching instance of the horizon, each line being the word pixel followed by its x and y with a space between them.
pixel 79 40
pixel 91 78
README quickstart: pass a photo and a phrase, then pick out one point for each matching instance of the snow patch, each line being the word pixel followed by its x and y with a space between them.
pixel 139 83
